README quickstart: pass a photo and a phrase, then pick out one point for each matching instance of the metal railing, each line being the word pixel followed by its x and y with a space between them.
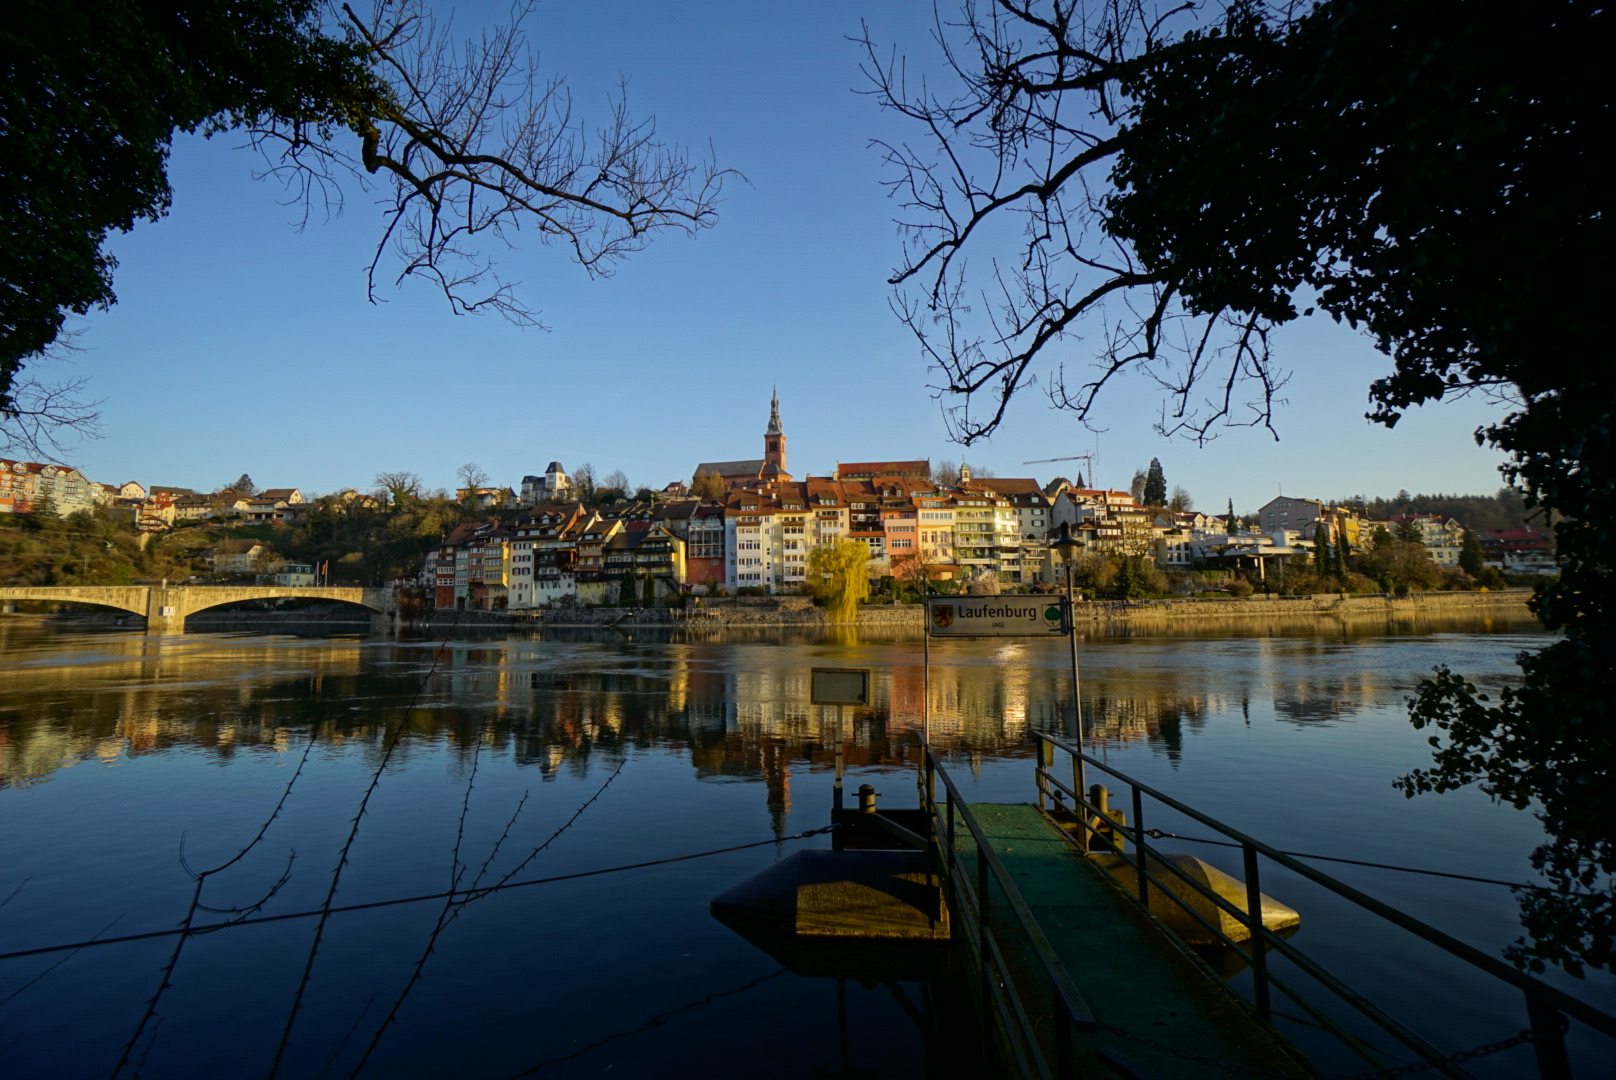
pixel 974 893
pixel 1548 1009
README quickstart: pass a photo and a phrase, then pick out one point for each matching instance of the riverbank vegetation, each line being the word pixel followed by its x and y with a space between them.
pixel 90 548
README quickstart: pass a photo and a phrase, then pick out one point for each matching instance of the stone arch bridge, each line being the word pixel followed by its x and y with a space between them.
pixel 165 607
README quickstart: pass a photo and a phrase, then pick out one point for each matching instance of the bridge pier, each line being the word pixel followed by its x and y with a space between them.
pixel 163 612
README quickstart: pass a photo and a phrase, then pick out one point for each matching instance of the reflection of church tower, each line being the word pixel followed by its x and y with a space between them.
pixel 776 769
pixel 774 440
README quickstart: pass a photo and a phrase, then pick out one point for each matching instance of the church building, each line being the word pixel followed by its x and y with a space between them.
pixel 756 472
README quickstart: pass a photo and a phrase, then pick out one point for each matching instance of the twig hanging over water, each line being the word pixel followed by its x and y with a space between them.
pixel 201 879
pixel 453 906
pixel 390 743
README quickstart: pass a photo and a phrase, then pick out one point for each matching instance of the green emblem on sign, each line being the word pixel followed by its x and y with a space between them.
pixel 1052 613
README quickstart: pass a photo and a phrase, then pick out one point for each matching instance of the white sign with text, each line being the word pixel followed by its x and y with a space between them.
pixel 995 616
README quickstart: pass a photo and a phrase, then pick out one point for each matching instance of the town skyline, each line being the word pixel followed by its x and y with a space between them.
pixel 1100 475
pixel 240 339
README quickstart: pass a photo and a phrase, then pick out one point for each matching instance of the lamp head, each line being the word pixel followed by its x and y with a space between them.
pixel 1065 545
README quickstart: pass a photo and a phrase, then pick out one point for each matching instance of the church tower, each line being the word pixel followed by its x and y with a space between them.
pixel 774 440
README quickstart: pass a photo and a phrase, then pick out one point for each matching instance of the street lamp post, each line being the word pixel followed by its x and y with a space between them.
pixel 1066 547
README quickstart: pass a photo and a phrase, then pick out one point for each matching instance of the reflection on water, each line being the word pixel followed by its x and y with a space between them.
pixel 737 706
pixel 113 746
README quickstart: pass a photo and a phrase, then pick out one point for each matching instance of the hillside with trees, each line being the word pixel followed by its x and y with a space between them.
pixel 1505 509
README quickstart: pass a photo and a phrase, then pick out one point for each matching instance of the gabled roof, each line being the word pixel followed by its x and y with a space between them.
pixel 727 469
pixel 850 470
pixel 1007 486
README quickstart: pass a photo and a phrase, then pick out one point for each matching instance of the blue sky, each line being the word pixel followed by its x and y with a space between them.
pixel 242 344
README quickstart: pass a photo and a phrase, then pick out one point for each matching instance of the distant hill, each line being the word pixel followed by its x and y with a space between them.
pixel 1501 510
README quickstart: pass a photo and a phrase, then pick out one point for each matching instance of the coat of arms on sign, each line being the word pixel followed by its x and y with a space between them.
pixel 943 616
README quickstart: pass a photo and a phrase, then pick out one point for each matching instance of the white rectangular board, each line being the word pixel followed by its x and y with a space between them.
pixel 840 686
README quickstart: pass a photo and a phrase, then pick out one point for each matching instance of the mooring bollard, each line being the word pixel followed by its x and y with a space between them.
pixel 866 798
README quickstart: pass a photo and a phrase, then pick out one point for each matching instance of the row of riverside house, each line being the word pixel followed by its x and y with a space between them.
pixel 752 526
pixel 755 532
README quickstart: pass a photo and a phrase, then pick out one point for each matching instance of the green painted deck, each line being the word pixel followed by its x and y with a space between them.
pixel 1133 978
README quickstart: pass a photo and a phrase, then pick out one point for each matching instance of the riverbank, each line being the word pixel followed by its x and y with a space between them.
pixel 798 612
pixel 794 612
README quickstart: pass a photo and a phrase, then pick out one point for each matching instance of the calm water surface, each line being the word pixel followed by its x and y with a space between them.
pixel 131 762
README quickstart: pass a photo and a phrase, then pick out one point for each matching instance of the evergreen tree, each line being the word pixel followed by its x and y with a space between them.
pixel 1321 550
pixel 1343 555
pixel 1155 484
pixel 625 595
pixel 1233 525
pixel 1408 533
pixel 648 592
pixel 1470 557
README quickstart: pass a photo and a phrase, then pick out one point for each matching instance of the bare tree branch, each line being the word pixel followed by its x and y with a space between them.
pixel 1023 142
pixel 468 142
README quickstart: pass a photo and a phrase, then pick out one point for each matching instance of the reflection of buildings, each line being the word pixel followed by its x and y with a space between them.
pixel 735 709
pixel 137 695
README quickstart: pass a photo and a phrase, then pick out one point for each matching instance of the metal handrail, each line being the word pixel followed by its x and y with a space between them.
pixel 1545 1004
pixel 1262 978
pixel 971 902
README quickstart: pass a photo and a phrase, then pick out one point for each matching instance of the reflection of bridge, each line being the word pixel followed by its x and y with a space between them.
pixel 166 606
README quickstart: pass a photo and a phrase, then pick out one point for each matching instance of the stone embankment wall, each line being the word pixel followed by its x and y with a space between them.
pixel 791 611
pixel 1380 605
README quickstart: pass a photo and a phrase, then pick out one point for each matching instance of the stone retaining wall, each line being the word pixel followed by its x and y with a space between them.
pixel 794 612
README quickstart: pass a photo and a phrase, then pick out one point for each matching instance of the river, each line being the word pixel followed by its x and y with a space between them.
pixel 133 763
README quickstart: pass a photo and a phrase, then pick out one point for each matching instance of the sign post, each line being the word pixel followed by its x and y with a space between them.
pixel 839 687
pixel 1011 616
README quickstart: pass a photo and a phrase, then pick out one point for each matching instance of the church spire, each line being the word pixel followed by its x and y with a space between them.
pixel 774 414
pixel 774 442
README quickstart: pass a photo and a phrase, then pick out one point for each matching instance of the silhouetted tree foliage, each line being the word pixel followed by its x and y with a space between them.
pixel 1184 182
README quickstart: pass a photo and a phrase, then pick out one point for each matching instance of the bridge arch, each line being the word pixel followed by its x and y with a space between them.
pixel 165 607
pixel 131 598
pixel 195 598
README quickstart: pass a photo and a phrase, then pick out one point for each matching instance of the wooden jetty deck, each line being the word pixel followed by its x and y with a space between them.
pixel 1158 1011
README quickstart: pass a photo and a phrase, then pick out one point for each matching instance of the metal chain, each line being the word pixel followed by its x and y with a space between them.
pixel 1525 1036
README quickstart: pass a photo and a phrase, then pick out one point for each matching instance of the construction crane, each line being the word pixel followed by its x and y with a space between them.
pixel 1087 458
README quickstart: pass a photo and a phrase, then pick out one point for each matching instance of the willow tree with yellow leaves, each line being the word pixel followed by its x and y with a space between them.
pixel 837 578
